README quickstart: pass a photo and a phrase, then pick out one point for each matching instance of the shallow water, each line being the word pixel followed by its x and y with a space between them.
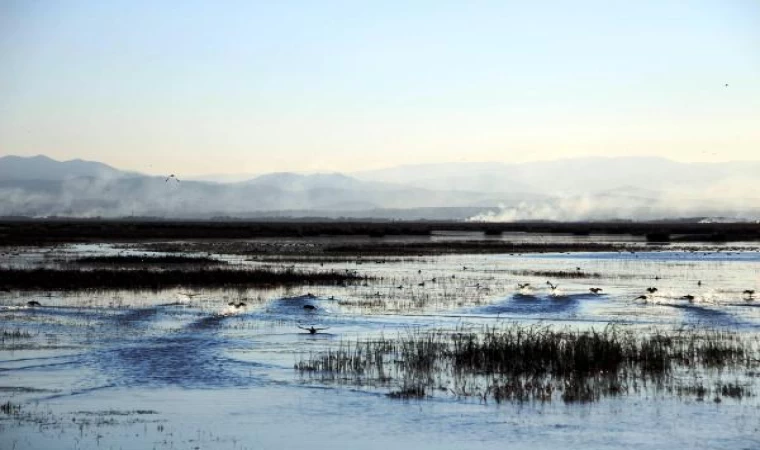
pixel 183 368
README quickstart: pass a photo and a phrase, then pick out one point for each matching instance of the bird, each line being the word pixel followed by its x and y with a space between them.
pixel 237 304
pixel 749 293
pixel 651 290
pixel 170 177
pixel 33 303
pixel 421 284
pixel 522 286
pixel 595 290
pixel 699 283
pixel 642 297
pixel 309 307
pixel 689 297
pixel 312 329
pixel 726 85
pixel 552 286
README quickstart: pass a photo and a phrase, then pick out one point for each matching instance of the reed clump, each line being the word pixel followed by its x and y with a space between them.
pixel 522 363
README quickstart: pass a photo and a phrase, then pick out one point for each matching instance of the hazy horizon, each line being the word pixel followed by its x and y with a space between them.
pixel 239 87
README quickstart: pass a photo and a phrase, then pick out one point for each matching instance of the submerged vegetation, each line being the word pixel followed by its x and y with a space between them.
pixel 40 279
pixel 522 363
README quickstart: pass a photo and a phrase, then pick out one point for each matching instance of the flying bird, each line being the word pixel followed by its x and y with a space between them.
pixel 522 286
pixel 170 177
pixel 552 286
pixel 33 303
pixel 312 329
pixel 689 297
pixel 651 290
pixel 237 304
pixel 595 290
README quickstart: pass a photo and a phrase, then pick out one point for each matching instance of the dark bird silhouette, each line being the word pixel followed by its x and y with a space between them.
pixel 651 290
pixel 421 284
pixel 523 285
pixel 309 307
pixel 171 177
pixel 642 297
pixel 749 293
pixel 313 329
pixel 688 297
pixel 595 290
pixel 699 283
pixel 33 303
pixel 552 286
pixel 237 304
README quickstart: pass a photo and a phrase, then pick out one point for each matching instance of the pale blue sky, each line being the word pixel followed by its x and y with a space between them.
pixel 228 87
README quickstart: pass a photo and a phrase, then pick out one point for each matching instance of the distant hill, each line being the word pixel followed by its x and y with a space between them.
pixel 568 176
pixel 43 168
pixel 572 189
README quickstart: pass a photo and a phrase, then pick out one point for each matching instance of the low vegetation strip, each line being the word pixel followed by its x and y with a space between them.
pixel 48 279
pixel 463 247
pixel 523 363
pixel 137 260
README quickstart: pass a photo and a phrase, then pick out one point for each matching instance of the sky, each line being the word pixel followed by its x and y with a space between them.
pixel 201 87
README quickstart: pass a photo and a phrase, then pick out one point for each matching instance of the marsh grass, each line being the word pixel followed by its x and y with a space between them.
pixel 557 273
pixel 522 363
pixel 15 334
pixel 10 408
pixel 137 260
pixel 63 280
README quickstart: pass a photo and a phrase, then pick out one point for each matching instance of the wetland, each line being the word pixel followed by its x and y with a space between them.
pixel 424 336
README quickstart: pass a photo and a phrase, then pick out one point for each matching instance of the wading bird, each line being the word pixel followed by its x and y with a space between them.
pixel 312 329
pixel 595 290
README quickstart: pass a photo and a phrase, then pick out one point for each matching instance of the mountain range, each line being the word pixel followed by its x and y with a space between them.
pixel 570 189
